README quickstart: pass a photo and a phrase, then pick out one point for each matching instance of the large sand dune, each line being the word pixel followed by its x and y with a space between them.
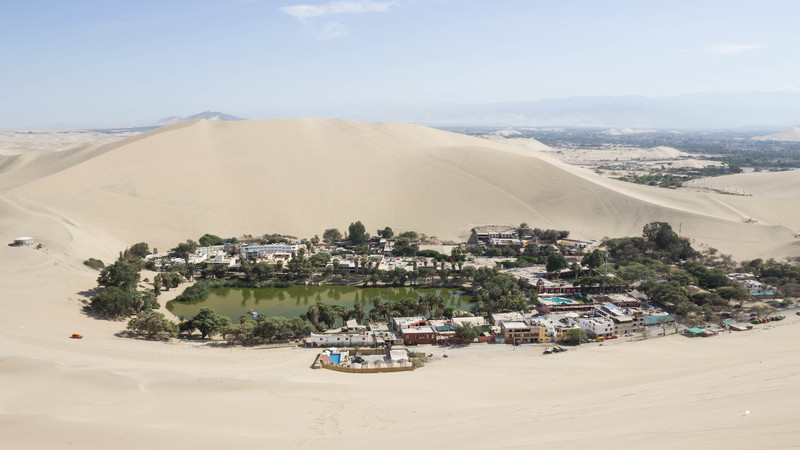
pixel 303 176
pixel 299 177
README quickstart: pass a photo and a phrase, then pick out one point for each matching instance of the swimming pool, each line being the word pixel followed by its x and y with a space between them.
pixel 559 300
pixel 336 358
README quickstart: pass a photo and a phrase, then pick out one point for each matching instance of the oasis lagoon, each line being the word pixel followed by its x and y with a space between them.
pixel 293 301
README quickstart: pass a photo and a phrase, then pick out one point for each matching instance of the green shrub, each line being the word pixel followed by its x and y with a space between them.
pixel 95 264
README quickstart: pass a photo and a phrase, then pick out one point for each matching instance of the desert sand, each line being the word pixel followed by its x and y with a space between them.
pixel 761 184
pixel 790 135
pixel 303 176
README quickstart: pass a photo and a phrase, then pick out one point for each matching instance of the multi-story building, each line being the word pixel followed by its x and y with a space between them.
pixel 626 320
pixel 257 251
pixel 597 326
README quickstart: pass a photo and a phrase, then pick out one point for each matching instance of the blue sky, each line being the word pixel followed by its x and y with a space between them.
pixel 120 62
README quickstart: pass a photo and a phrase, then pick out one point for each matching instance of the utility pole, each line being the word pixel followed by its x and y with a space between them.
pixel 605 271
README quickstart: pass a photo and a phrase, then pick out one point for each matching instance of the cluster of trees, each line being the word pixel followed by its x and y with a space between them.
pixel 497 292
pixel 119 296
pixel 467 332
pixel 658 243
pixel 665 265
pixel 658 179
pixel 153 325
pixel 550 235
pixel 208 323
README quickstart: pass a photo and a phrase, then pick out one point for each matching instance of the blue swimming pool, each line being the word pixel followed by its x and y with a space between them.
pixel 559 300
pixel 336 358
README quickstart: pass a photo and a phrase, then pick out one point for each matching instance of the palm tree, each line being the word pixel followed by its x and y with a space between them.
pixel 313 314
pixel 358 312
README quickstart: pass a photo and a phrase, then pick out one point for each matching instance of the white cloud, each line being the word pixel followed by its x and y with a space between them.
pixel 333 30
pixel 303 12
pixel 728 49
pixel 310 14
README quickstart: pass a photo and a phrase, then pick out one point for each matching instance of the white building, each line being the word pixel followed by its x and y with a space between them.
pixel 197 258
pixel 399 323
pixel 341 339
pixel 597 326
pixel 224 260
pixel 474 321
pixel 210 251
pixel 257 251
pixel 499 318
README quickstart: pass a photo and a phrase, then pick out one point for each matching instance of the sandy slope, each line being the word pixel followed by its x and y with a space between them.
pixel 790 134
pixel 110 392
pixel 762 184
pixel 306 175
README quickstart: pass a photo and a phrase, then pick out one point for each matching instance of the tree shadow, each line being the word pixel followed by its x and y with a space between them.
pixel 89 293
pixel 89 312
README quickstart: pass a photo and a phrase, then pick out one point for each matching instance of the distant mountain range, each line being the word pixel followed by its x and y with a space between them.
pixel 690 111
pixel 207 115
pixel 757 111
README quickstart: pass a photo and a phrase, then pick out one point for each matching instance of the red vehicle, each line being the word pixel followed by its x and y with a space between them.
pixel 613 337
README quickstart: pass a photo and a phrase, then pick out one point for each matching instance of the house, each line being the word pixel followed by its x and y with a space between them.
pixel 210 251
pixel 385 337
pixel 554 329
pixel 483 235
pixel 346 339
pixel 474 321
pixel 347 265
pixel 418 335
pixel 398 323
pixel 520 332
pixel 499 318
pixel 353 325
pixel 694 332
pixel 223 260
pixel 197 258
pixel 657 320
pixel 510 243
pixel 574 244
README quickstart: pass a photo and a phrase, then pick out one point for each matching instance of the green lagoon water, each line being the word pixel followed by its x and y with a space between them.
pixel 293 301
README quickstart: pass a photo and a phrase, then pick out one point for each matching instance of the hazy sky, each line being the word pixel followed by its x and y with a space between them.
pixel 121 62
